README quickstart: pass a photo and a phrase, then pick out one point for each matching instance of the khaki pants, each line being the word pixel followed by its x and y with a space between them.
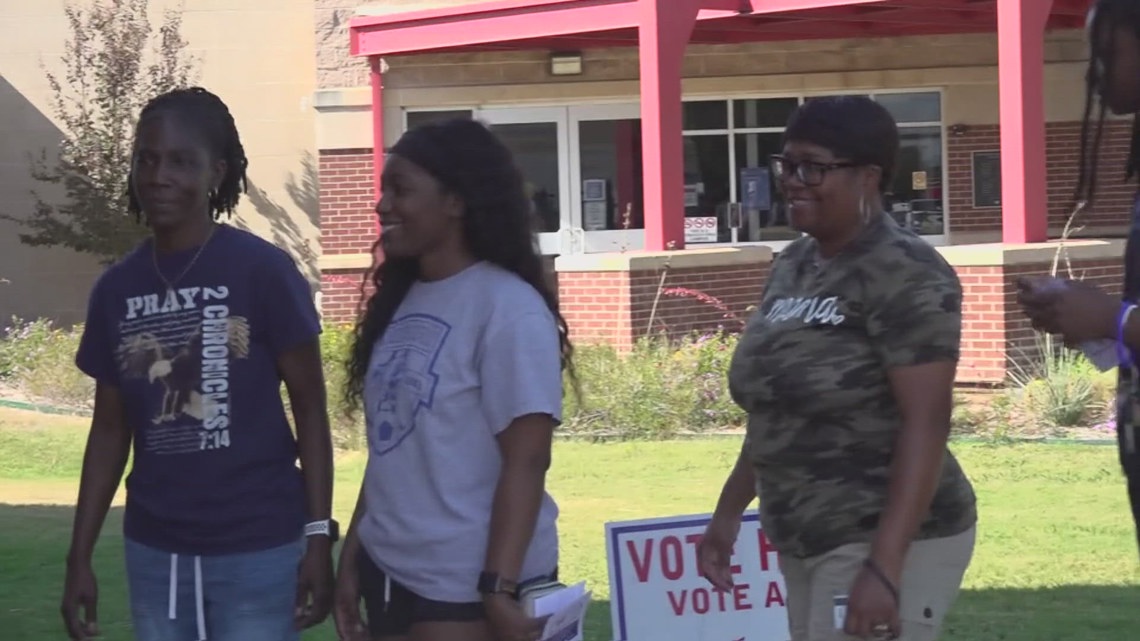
pixel 931 578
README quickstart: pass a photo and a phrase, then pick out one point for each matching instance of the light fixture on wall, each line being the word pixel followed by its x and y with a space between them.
pixel 566 63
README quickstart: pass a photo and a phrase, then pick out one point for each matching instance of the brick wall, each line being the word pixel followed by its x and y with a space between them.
pixel 618 307
pixel 1113 198
pixel 340 295
pixel 348 222
pixel 995 334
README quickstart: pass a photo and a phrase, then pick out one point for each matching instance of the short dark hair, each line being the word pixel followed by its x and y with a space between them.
pixel 211 116
pixel 1104 12
pixel 855 128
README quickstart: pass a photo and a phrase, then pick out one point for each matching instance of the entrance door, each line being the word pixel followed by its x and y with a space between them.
pixel 607 200
pixel 538 139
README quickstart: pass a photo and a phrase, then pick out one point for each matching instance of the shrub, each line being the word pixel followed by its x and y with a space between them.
pixel 1060 388
pixel 39 359
pixel 658 390
pixel 347 431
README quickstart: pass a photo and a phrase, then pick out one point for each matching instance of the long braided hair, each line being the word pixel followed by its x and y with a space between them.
pixel 1102 15
pixel 207 112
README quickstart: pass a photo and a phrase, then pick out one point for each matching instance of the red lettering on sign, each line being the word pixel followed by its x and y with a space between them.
pixel 706 600
pixel 678 601
pixel 694 540
pixel 766 548
pixel 672 558
pixel 774 595
pixel 740 597
pixel 641 562
pixel 701 601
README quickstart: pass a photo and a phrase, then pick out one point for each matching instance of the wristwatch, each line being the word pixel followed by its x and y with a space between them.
pixel 491 583
pixel 328 527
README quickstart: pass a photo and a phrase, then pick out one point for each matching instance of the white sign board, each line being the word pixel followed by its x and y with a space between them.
pixel 700 229
pixel 657 591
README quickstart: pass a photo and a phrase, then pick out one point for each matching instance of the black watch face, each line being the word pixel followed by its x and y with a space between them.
pixel 334 530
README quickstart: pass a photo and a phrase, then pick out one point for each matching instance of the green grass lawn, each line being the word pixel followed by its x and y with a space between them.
pixel 1056 558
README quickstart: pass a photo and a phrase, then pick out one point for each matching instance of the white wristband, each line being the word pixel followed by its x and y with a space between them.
pixel 317 528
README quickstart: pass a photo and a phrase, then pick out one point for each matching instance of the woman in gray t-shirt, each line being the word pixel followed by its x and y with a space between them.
pixel 457 364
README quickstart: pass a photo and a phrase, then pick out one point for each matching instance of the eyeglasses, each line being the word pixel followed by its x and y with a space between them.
pixel 808 172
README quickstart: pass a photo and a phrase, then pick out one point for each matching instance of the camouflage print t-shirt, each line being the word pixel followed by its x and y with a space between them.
pixel 811 371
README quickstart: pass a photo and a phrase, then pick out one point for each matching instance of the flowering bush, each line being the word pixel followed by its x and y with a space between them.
pixel 659 389
pixel 38 358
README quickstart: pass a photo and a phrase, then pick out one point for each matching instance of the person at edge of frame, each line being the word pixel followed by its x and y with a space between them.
pixel 189 338
pixel 1080 311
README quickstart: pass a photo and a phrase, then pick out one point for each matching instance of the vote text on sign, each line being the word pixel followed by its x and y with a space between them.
pixel 657 591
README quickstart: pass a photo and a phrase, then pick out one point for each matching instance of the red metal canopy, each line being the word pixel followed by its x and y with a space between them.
pixel 505 25
pixel 661 29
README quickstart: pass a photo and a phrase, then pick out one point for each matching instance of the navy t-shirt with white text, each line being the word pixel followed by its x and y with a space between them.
pixel 214 457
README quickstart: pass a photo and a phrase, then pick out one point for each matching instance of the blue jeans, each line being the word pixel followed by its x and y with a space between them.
pixel 237 597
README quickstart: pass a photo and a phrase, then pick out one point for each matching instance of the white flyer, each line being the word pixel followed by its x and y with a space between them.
pixel 567 611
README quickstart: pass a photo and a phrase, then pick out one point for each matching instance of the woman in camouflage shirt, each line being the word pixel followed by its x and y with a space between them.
pixel 846 372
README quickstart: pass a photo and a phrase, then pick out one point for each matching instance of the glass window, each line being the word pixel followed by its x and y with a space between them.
pixel 417 118
pixel 705 115
pixel 769 220
pixel 914 197
pixel 535 148
pixel 708 189
pixel 756 114
pixel 610 166
pixel 912 107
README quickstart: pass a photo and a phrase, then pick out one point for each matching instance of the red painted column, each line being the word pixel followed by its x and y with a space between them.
pixel 377 79
pixel 1021 79
pixel 665 28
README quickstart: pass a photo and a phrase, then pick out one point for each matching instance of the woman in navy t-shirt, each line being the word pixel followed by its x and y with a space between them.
pixel 189 338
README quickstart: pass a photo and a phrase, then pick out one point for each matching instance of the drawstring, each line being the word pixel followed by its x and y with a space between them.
pixel 201 606
pixel 199 602
pixel 173 601
pixel 387 591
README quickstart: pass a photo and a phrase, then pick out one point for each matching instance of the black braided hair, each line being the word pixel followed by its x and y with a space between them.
pixel 498 228
pixel 212 117
pixel 1104 12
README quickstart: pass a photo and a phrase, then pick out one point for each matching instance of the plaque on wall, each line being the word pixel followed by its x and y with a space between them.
pixel 987 179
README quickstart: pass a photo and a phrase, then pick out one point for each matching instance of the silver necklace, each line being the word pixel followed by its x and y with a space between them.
pixel 171 283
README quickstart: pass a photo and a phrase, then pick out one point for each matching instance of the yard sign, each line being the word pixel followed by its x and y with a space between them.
pixel 657 592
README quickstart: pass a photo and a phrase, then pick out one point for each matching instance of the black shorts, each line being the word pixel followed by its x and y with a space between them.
pixel 393 609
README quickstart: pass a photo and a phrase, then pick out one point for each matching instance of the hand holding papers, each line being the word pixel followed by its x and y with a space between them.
pixel 563 606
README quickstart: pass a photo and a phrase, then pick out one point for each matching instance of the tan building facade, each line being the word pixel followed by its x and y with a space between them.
pixel 256 54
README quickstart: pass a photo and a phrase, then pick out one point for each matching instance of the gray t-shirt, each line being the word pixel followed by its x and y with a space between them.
pixel 462 359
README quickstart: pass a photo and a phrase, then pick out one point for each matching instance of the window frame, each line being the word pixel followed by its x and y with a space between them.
pixel 733 130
